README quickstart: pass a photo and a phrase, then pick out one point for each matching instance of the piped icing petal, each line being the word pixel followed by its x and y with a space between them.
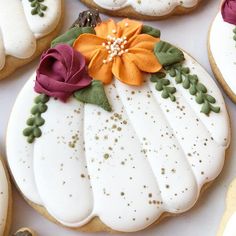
pixel 106 28
pixel 144 60
pixel 129 28
pixel 125 70
pixel 88 44
pixel 228 11
pixel 99 70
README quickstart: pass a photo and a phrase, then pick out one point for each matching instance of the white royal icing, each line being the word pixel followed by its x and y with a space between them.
pixel 223 49
pixel 3 198
pixel 230 229
pixel 19 29
pixel 146 157
pixel 147 7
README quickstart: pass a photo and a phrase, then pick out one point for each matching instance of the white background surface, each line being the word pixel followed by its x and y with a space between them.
pixel 190 33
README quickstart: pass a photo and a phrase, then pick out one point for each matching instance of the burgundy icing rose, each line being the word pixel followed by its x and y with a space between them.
pixel 228 11
pixel 61 72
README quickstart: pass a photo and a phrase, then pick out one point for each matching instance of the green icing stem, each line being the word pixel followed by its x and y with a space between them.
pixel 38 7
pixel 34 123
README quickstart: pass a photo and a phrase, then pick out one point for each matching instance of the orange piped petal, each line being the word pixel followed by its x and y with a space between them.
pixel 129 28
pixel 88 44
pixel 143 41
pixel 106 28
pixel 98 70
pixel 126 71
pixel 144 59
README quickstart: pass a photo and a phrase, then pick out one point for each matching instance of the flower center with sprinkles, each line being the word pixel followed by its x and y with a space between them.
pixel 115 47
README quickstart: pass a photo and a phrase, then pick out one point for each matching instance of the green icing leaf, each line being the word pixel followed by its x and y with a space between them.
pixel 151 31
pixel 94 94
pixel 167 54
pixel 71 35
pixel 38 8
pixel 163 85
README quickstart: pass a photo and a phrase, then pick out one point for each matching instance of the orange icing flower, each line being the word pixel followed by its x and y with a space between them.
pixel 119 50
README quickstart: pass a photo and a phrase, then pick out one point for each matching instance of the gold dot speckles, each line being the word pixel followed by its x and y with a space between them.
pixel 106 156
pixel 75 139
pixel 162 171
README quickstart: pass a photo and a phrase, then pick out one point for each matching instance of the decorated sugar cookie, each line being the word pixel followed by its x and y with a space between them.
pixel 222 47
pixel 116 129
pixel 227 226
pixel 25 232
pixel 26 26
pixel 143 9
pixel 5 202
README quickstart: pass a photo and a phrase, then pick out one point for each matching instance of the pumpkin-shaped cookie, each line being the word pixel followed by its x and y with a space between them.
pixel 5 202
pixel 26 29
pixel 143 9
pixel 123 129
pixel 222 49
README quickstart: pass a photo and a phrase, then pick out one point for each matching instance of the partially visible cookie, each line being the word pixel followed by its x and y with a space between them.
pixel 25 232
pixel 5 201
pixel 228 223
pixel 222 47
pixel 26 29
pixel 143 9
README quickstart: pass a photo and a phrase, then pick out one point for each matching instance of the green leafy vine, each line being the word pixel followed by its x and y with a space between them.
pixel 172 60
pixel 38 7
pixel 162 84
pixel 34 123
pixel 234 31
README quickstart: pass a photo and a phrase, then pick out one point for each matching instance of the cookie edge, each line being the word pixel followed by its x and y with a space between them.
pixel 129 11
